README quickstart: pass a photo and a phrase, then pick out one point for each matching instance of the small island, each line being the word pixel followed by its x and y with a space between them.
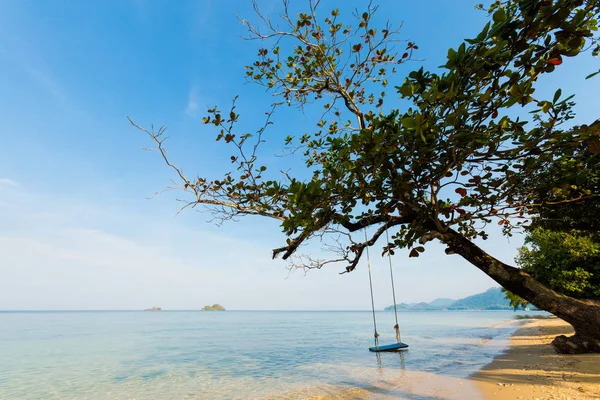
pixel 153 309
pixel 214 307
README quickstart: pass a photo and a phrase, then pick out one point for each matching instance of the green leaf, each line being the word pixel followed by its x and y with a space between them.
pixel 515 90
pixel 409 123
pixel 451 54
pixel 499 16
pixel 592 75
pixel 546 106
pixel 557 95
pixel 405 90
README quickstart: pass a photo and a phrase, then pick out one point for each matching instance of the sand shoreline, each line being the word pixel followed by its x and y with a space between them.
pixel 527 368
pixel 530 369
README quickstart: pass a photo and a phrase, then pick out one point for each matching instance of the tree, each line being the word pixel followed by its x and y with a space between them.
pixel 214 307
pixel 564 242
pixel 443 168
pixel 568 262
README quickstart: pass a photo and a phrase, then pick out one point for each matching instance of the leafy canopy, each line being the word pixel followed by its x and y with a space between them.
pixel 568 262
pixel 563 243
pixel 453 159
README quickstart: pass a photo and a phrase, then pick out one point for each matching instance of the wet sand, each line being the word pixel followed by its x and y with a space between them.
pixel 530 369
pixel 404 385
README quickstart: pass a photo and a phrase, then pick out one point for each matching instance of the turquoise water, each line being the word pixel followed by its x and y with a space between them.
pixel 232 354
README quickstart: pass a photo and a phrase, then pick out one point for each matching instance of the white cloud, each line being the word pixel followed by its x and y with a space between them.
pixel 59 252
pixel 193 102
pixel 25 55
pixel 82 268
pixel 49 83
pixel 8 182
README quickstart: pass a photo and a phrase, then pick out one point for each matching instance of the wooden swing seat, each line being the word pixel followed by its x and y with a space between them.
pixel 389 347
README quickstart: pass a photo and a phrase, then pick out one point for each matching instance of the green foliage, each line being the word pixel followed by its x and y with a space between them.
pixel 558 188
pixel 563 249
pixel 453 160
pixel 568 262
pixel 516 301
pixel 564 239
pixel 491 299
pixel 214 307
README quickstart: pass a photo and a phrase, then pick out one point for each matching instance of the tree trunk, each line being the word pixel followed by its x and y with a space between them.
pixel 583 315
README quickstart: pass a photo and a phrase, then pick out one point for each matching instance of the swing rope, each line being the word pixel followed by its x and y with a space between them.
pixel 397 326
pixel 375 334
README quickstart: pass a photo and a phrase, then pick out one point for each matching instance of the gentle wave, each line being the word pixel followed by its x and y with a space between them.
pixel 245 355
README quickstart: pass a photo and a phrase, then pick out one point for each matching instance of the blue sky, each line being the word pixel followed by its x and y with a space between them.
pixel 76 228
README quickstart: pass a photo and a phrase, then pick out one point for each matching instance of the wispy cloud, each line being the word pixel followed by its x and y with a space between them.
pixel 23 54
pixel 7 182
pixel 53 257
pixel 28 57
pixel 203 16
pixel 59 252
pixel 49 83
pixel 193 102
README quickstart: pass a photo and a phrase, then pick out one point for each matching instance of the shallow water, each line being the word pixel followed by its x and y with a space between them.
pixel 235 354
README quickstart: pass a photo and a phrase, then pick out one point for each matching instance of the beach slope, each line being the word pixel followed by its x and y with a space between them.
pixel 530 369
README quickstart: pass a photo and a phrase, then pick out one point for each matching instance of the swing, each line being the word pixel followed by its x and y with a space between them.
pixel 394 346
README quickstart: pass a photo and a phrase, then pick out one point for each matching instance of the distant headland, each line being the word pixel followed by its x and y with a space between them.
pixel 153 309
pixel 214 307
pixel 491 299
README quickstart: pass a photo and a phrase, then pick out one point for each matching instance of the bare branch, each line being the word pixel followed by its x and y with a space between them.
pixel 213 194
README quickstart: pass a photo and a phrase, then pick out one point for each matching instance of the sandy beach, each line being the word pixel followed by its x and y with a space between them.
pixel 530 369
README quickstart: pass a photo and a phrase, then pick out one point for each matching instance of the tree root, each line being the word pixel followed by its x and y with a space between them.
pixel 576 344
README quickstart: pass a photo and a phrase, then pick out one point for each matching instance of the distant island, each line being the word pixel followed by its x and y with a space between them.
pixel 153 309
pixel 491 299
pixel 214 307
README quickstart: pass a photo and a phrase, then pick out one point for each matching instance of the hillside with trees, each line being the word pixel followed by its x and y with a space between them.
pixel 214 307
pixel 491 299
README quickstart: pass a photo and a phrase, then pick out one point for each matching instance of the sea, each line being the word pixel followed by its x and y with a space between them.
pixel 241 354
